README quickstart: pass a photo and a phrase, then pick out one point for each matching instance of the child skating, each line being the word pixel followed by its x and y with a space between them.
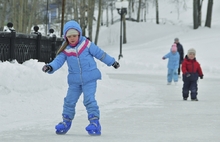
pixel 79 53
pixel 191 72
pixel 173 64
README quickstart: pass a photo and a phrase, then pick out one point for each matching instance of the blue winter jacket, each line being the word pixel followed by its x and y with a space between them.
pixel 173 62
pixel 82 67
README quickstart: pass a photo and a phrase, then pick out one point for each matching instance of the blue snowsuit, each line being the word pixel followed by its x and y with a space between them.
pixel 173 65
pixel 83 72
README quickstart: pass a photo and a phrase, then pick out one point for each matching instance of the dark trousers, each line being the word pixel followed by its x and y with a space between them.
pixel 191 86
pixel 179 69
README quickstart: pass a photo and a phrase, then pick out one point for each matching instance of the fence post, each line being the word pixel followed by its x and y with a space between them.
pixel 38 46
pixel 12 46
pixel 53 47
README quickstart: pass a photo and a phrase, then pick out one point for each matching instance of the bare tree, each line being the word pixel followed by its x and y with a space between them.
pixel 107 5
pixel 75 8
pixel 130 8
pixel 139 10
pixel 82 17
pixel 132 5
pixel 145 10
pixel 195 14
pixel 3 13
pixel 31 14
pixel 98 21
pixel 62 19
pixel 112 8
pixel 157 11
pixel 200 12
pixel 209 14
pixel 91 8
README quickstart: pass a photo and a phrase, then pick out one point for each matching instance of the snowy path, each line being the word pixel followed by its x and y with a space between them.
pixel 156 116
pixel 175 120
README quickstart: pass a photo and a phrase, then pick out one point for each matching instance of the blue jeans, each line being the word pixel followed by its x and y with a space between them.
pixel 172 75
pixel 89 101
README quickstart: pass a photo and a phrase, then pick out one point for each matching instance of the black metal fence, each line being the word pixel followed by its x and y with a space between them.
pixel 23 47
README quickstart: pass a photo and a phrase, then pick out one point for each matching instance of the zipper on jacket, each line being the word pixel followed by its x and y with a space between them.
pixel 77 56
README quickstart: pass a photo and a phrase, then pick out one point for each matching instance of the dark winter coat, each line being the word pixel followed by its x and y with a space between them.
pixel 181 51
pixel 192 69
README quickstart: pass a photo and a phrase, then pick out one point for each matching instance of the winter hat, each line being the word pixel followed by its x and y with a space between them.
pixel 191 50
pixel 72 32
pixel 176 39
pixel 174 48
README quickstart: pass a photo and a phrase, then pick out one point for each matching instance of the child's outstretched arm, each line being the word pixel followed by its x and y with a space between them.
pixel 57 62
pixel 99 54
pixel 166 56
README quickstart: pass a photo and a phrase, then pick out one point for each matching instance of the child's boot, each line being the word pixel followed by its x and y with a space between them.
pixel 64 126
pixel 94 128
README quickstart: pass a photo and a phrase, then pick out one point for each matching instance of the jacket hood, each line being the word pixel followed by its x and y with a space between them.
pixel 72 25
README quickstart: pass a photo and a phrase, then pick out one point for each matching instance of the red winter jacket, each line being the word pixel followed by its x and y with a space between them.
pixel 191 66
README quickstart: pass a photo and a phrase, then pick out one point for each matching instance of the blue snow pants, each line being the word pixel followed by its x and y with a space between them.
pixel 89 101
pixel 172 75
pixel 190 84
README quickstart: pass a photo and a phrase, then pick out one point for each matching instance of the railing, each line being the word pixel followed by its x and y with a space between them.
pixel 22 47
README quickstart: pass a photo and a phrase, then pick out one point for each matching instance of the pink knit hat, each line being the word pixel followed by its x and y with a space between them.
pixel 174 48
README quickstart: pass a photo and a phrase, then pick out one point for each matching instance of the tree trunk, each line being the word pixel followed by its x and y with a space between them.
pixel 195 14
pixel 102 18
pixel 14 17
pixel 30 20
pixel 132 5
pixel 75 8
pixel 82 17
pixel 157 12
pixel 20 17
pixel 129 9
pixel 107 5
pixel 98 21
pixel 62 18
pixel 200 12
pixel 25 20
pixel 3 15
pixel 139 11
pixel 90 17
pixel 112 8
pixel 209 14
pixel 145 11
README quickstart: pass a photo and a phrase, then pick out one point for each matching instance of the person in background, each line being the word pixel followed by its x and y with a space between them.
pixel 181 52
pixel 173 64
pixel 191 71
pixel 9 27
pixel 79 53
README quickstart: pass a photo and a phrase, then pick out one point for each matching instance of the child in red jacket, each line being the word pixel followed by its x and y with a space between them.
pixel 191 72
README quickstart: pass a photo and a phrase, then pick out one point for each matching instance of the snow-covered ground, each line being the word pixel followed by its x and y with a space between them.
pixel 136 104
